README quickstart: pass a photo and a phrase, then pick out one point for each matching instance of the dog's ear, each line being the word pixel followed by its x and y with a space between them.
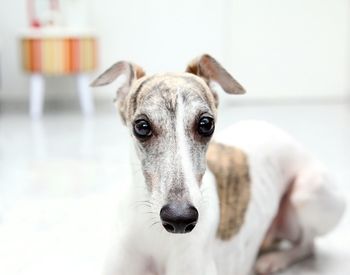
pixel 211 71
pixel 129 72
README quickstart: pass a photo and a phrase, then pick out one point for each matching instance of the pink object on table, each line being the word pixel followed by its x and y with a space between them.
pixel 33 21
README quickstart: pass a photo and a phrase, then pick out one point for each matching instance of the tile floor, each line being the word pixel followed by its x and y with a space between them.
pixel 60 179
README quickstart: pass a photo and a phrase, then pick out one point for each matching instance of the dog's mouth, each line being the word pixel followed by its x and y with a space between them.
pixel 179 217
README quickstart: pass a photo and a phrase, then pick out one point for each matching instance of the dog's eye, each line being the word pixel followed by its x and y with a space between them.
pixel 142 129
pixel 206 126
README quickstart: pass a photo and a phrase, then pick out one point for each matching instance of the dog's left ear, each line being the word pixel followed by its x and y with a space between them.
pixel 210 70
pixel 130 72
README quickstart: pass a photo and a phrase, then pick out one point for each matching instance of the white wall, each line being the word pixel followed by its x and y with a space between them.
pixel 12 18
pixel 159 35
pixel 295 48
pixel 277 49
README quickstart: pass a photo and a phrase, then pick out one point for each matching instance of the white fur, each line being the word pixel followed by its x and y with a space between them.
pixel 274 159
pixel 120 81
pixel 184 152
pixel 215 87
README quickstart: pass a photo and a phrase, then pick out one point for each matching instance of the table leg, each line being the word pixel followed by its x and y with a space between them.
pixel 37 87
pixel 85 96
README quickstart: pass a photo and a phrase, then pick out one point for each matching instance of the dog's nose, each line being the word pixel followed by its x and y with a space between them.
pixel 179 217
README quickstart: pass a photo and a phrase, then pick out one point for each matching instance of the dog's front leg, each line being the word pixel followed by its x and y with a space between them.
pixel 191 262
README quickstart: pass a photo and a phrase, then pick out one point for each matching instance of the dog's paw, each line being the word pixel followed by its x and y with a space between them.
pixel 271 263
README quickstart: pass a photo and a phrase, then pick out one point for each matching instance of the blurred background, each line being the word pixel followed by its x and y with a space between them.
pixel 63 153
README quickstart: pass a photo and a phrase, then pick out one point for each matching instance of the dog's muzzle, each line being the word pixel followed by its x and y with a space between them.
pixel 179 217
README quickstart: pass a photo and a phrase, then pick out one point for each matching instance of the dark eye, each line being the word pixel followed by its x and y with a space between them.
pixel 142 129
pixel 206 126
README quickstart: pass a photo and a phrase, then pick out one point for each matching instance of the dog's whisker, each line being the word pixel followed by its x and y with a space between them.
pixel 153 224
pixel 150 213
pixel 143 202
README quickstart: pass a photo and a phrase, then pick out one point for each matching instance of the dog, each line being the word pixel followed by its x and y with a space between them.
pixel 212 204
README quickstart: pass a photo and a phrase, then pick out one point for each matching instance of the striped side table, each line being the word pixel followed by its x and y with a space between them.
pixel 59 52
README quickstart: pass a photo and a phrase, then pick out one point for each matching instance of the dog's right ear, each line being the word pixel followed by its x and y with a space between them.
pixel 211 71
pixel 125 69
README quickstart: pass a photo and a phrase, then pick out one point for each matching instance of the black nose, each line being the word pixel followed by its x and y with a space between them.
pixel 179 217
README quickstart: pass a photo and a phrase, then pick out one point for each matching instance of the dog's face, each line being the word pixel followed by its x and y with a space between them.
pixel 171 118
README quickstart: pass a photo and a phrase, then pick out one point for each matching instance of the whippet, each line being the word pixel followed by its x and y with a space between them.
pixel 236 193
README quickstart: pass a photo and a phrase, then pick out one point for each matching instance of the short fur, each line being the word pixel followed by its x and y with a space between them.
pixel 261 185
pixel 230 168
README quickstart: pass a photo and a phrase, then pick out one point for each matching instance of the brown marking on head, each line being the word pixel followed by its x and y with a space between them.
pixel 164 89
pixel 230 168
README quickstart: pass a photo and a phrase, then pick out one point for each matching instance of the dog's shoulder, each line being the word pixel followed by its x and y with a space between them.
pixel 230 168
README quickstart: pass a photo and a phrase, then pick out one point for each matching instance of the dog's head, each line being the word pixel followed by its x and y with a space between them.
pixel 171 118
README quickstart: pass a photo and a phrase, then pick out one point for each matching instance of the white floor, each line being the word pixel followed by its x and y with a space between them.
pixel 60 179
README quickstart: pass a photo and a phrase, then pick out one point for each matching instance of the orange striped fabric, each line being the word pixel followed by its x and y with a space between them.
pixel 59 55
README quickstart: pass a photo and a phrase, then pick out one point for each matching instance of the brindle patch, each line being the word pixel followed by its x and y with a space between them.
pixel 166 86
pixel 230 168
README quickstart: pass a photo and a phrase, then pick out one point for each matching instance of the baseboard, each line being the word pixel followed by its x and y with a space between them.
pixel 247 101
pixel 106 105
pixel 12 106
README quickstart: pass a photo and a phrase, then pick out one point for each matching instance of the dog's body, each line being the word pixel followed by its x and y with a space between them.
pixel 247 188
